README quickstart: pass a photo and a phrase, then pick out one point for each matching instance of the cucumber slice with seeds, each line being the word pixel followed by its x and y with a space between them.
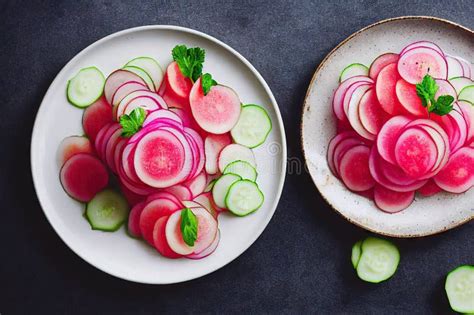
pixel 378 260
pixel 142 74
pixel 243 169
pixel 459 288
pixel 107 211
pixel 244 197
pixel 85 87
pixel 151 67
pixel 221 187
pixel 253 126
pixel 355 255
pixel 353 70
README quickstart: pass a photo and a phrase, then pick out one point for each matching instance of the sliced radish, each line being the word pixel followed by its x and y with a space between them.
pixel 332 147
pixel 388 137
pixel 117 79
pixel 115 138
pixel 162 194
pixel 409 99
pixel 468 114
pixel 385 88
pixel 207 229
pixel 458 174
pixel 102 145
pixel 455 68
pixel 353 112
pixel 83 176
pixel 174 236
pixel 396 175
pixel 415 63
pixel 205 200
pixel 154 210
pixel 95 117
pixel 194 138
pixel 371 114
pixel 132 198
pixel 466 66
pixel 213 145
pixel 177 82
pixel 147 103
pixel 445 88
pixel 134 219
pixel 209 250
pixel 429 189
pixel 125 89
pixel 235 152
pixel 151 101
pixel 181 192
pixel 159 239
pixel 381 62
pixel 187 118
pixel 197 184
pixel 341 149
pixel 71 146
pixel 354 169
pixel 218 111
pixel 392 201
pixel 422 43
pixel 338 99
pixel 164 114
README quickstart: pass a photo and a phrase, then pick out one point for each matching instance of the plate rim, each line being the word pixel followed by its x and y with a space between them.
pixel 283 146
pixel 306 105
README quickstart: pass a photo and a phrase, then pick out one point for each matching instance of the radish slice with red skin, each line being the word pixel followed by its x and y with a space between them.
pixel 125 89
pixel 208 250
pixel 341 149
pixel 445 88
pixel 181 192
pixel 145 102
pixel 189 144
pixel 213 145
pixel 353 113
pixel 118 153
pixel 371 114
pixel 110 149
pixel 116 79
pixel 385 88
pixel 174 236
pixel 119 109
pixel 71 146
pixel 194 137
pixel 392 201
pixel 422 43
pixel 170 97
pixel 348 96
pixel 455 68
pixel 388 136
pixel 162 194
pixel 458 174
pixel 100 138
pixel 132 198
pixel 409 99
pixel 381 62
pixel 396 175
pixel 415 63
pixel 354 169
pixel 206 201
pixel 159 239
pixel 429 189
pixel 188 119
pixel 332 146
pixel 338 99
pixel 441 148
pixel 163 114
pixel 105 140
pixel 466 66
pixel 177 82
pixel 468 114
pixel 134 219
pixel 197 184
pixel 95 117
pixel 83 176
pixel 153 211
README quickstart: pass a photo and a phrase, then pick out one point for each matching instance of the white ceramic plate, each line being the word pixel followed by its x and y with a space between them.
pixel 426 215
pixel 116 253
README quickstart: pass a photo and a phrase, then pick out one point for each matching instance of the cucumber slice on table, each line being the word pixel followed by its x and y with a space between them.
pixel 460 289
pixel 253 126
pixel 85 87
pixel 107 211
pixel 150 66
pixel 378 260
pixel 142 74
pixel 355 255
pixel 467 94
pixel 353 70
pixel 244 197
pixel 243 169
pixel 221 187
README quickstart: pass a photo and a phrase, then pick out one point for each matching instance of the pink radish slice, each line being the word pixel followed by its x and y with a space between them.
pixel 105 140
pixel 95 117
pixel 385 88
pixel 100 138
pixel 466 66
pixel 197 184
pixel 353 113
pixel 429 189
pixel 445 88
pixel 153 211
pixel 371 114
pixel 415 152
pixel 118 78
pixel 177 82
pixel 159 239
pixel 147 103
pixel 134 219
pixel 162 194
pixel 83 176
pixel 349 95
pixel 468 114
pixel 381 62
pixel 174 236
pixel 132 198
pixel 455 68
pixel 209 250
pixel 73 145
pixel 163 114
pixel 170 97
pixel 395 174
pixel 189 144
pixel 338 99
pixel 125 89
pixel 118 153
pixel 354 169
pixel 422 43
pixel 388 136
pixel 415 63
pixel 409 99
pixel 206 201
pixel 218 111
pixel 458 174
pixel 332 146
pixel 440 147
pixel 213 146
pixel 110 149
pixel 199 145
pixel 181 192
pixel 392 201
pixel 341 149
pixel 369 194
pixel 187 118
pixel 133 186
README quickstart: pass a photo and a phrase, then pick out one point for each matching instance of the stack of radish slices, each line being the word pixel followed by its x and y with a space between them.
pixel 405 124
pixel 177 144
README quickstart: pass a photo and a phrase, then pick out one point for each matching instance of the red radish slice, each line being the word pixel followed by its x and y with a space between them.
pixel 100 138
pixel 118 153
pixel 445 88
pixel 83 176
pixel 134 219
pixel 131 197
pixel 159 239
pixel 174 236
pixel 422 43
pixel 95 117
pixel 466 66
pixel 415 63
pixel 388 136
pixel 147 103
pixel 199 146
pixel 118 78
pixel 163 114
pixel 209 250
pixel 153 211
pixel 385 87
pixel 429 189
pixel 441 148
pixel 71 146
pixel 218 111
pixel 133 186
pixel 395 174
pixel 177 82
pixel 197 184
pixel 392 201
pixel 349 95
pixel 458 175
pixel 332 146
pixel 468 114
pixel 181 192
pixel 110 149
pixel 235 152
pixel 338 99
pixel 409 99
pixel 125 89
pixel 213 146
pixel 206 201
pixel 354 169
pixel 455 68
pixel 105 140
pixel 381 62
pixel 171 98
pixel 151 100
pixel 187 119
pixel 341 149
pixel 371 114
pixel 353 112
pixel 415 152
pixel 164 195
pixel 189 144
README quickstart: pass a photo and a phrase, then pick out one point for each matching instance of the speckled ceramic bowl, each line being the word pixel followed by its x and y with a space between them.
pixel 425 216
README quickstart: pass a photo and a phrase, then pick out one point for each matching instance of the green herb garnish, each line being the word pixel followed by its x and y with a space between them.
pixel 133 122
pixel 189 60
pixel 189 226
pixel 426 91
pixel 207 82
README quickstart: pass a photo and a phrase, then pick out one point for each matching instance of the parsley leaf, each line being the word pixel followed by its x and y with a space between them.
pixel 443 105
pixel 426 91
pixel 189 60
pixel 189 226
pixel 207 82
pixel 133 122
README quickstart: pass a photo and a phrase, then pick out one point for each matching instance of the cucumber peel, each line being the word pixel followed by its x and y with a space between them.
pixel 253 127
pixel 353 70
pixel 459 288
pixel 243 169
pixel 85 87
pixel 378 260
pixel 107 211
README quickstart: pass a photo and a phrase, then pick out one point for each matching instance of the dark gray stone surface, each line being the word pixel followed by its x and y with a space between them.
pixel 301 262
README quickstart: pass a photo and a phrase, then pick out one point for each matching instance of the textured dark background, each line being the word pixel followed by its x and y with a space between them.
pixel 300 264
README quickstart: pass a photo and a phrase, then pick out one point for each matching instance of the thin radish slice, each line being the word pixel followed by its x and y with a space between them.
pixel 147 103
pixel 466 66
pixel 235 152
pixel 348 96
pixel 125 89
pixel 193 136
pixel 422 43
pixel 205 200
pixel 429 189
pixel 83 176
pixel 153 211
pixel 455 68
pixel 159 239
pixel 440 145
pixel 110 149
pixel 213 145
pixel 332 146
pixel 181 192
pixel 118 153
pixel 174 236
pixel 71 146
pixel 458 174
pixel 134 219
pixel 445 88
pixel 132 198
pixel 392 201
pixel 381 62
pixel 468 114
pixel 191 204
pixel 338 99
pixel 153 102
pixel 371 114
pixel 163 114
pixel 177 82
pixel 187 118
pixel 209 250
pixel 388 136
pixel 353 113
pixel 164 195
pixel 206 231
pixel 354 169
pixel 409 99
pixel 341 149
pixel 197 184
pixel 385 88
pixel 415 63
pixel 396 175
pixel 102 145
pixel 95 117
pixel 118 78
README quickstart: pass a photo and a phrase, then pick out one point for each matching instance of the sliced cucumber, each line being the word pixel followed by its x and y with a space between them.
pixel 356 251
pixel 85 87
pixel 467 94
pixel 460 83
pixel 243 169
pixel 460 289
pixel 221 187
pixel 210 185
pixel 378 260
pixel 107 211
pixel 253 126
pixel 353 70
pixel 244 197
pixel 151 67
pixel 142 74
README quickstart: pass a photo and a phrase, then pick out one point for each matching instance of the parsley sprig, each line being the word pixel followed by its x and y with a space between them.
pixel 426 91
pixel 207 82
pixel 189 60
pixel 189 226
pixel 133 122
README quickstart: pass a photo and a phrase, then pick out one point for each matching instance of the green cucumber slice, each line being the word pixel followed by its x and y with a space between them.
pixel 150 66
pixel 142 74
pixel 460 83
pixel 356 252
pixel 459 288
pixel 242 168
pixel 85 87
pixel 253 126
pixel 378 261
pixel 107 211
pixel 467 94
pixel 210 185
pixel 353 70
pixel 221 187
pixel 244 197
